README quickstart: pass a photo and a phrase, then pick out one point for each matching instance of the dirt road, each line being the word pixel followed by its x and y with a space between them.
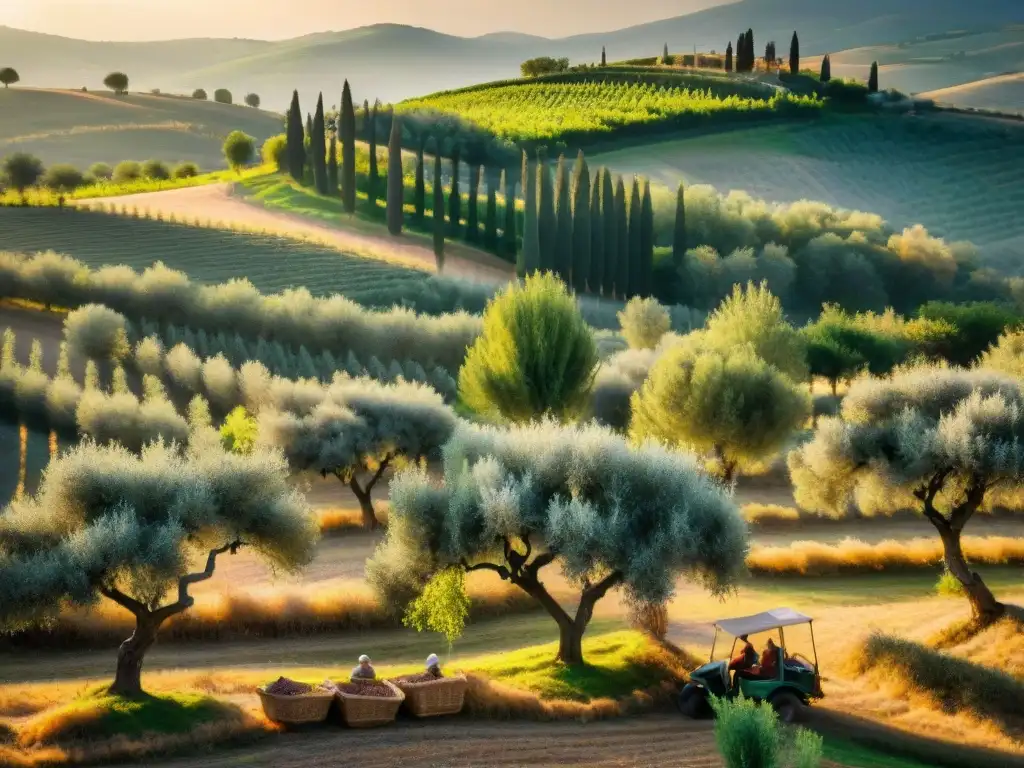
pixel 219 203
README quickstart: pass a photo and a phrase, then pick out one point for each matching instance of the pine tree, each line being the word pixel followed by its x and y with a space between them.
pixel 826 69
pixel 530 257
pixel 635 247
pixel 595 276
pixel 679 245
pixel 581 241
pixel 604 58
pixel 610 240
pixel 332 165
pixel 491 216
pixel 728 58
pixel 646 242
pixel 547 221
pixel 623 242
pixel 373 178
pixel 794 55
pixel 472 212
pixel 438 221
pixel 347 131
pixel 508 236
pixel 420 195
pixel 318 148
pixel 296 139
pixel 563 223
pixel 873 79
pixel 396 187
pixel 455 197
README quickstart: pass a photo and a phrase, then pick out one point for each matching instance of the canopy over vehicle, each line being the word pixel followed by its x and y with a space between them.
pixel 762 622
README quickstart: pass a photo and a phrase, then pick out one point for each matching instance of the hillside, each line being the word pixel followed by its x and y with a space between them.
pixel 1004 93
pixel 84 128
pixel 378 59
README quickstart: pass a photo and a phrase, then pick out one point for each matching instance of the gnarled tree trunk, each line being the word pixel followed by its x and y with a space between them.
pixel 128 677
pixel 363 494
pixel 985 607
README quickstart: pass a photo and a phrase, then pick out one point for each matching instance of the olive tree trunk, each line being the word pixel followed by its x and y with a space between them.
pixel 984 606
pixel 363 494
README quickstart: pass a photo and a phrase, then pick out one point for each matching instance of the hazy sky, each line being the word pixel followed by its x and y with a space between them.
pixel 273 19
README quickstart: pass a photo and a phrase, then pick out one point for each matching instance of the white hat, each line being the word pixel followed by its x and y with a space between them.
pixel 433 661
pixel 363 659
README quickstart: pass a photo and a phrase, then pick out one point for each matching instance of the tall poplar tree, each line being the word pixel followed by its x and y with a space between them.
pixel 332 165
pixel 473 204
pixel 491 216
pixel 664 55
pixel 438 218
pixel 873 78
pixel 604 58
pixel 396 185
pixel 318 148
pixel 610 220
pixel 635 241
pixel 347 120
pixel 646 242
pixel 581 233
pixel 373 181
pixel 826 69
pixel 455 194
pixel 510 246
pixel 794 54
pixel 595 277
pixel 728 57
pixel 622 237
pixel 420 194
pixel 679 245
pixel 547 222
pixel 751 53
pixel 741 52
pixel 296 140
pixel 563 223
pixel 530 257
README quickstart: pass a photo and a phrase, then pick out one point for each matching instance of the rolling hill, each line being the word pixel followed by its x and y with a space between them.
pixel 84 128
pixel 393 62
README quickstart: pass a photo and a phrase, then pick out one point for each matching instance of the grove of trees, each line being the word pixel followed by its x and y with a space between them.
pixel 543 65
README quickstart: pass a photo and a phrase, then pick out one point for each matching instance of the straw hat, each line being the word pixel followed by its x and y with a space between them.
pixel 364 659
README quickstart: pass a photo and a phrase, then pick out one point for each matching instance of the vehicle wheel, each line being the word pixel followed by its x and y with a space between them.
pixel 789 707
pixel 693 702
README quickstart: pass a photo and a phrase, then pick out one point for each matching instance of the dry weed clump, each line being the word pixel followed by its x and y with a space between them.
pixel 344 519
pixel 812 558
pixel 769 513
pixel 999 645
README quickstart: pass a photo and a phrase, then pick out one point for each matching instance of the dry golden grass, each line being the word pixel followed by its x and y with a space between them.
pixel 761 513
pixel 342 519
pixel 812 558
pixel 999 646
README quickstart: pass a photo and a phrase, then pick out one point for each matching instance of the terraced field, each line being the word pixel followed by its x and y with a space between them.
pixel 962 177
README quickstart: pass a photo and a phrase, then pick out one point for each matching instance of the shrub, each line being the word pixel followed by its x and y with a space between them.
pixel 200 94
pixel 127 170
pixel 222 96
pixel 101 171
pixel 253 100
pixel 644 322
pixel 97 332
pixel 275 152
pixel 748 734
pixel 949 586
pixel 62 178
pixel 156 170
pixel 22 170
pixel 239 149
pixel 186 171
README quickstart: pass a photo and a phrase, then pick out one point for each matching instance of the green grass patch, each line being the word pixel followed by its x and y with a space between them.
pixel 852 755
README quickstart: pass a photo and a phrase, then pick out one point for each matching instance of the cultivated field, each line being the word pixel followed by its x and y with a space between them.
pixel 1002 93
pixel 958 176
pixel 82 128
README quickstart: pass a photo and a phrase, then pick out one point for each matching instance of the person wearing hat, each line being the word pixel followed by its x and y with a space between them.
pixel 433 665
pixel 364 671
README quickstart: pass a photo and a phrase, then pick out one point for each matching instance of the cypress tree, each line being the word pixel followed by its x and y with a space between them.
pixel 873 79
pixel 347 119
pixel 751 53
pixel 622 241
pixel 679 246
pixel 581 233
pixel 318 148
pixel 664 55
pixel 420 195
pixel 794 55
pixel 296 139
pixel 635 247
pixel 455 197
pixel 610 240
pixel 728 58
pixel 374 175
pixel 472 214
pixel 510 246
pixel 491 217
pixel 396 187
pixel 826 69
pixel 332 165
pixel 563 223
pixel 596 276
pixel 646 242
pixel 741 52
pixel 604 59
pixel 438 221
pixel 529 257
pixel 546 219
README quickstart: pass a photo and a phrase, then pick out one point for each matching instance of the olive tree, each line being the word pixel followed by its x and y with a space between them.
pixel 535 357
pixel 253 100
pixel 356 429
pixel 22 170
pixel 731 406
pixel 515 501
pixel 9 76
pixel 117 82
pixel 945 442
pixel 111 524
pixel 644 322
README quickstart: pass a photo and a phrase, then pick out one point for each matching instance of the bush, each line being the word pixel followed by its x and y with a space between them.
pixel 186 171
pixel 253 100
pixel 275 152
pixel 222 96
pixel 949 585
pixel 156 170
pixel 101 171
pixel 22 170
pixel 644 322
pixel 62 178
pixel 97 333
pixel 200 94
pixel 748 734
pixel 127 170
pixel 239 149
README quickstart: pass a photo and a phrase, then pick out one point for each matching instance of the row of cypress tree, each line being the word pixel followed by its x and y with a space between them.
pixel 322 165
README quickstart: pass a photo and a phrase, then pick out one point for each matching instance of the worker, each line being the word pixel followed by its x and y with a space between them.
pixel 746 658
pixel 364 671
pixel 433 665
pixel 770 661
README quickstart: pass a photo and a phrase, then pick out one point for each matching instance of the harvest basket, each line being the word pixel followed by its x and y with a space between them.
pixel 444 696
pixel 309 707
pixel 367 711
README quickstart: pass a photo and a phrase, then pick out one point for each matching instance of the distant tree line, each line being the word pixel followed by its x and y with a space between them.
pixel 543 65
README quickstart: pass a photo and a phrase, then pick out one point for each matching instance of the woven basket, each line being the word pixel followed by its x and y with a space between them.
pixel 309 707
pixel 435 697
pixel 368 711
